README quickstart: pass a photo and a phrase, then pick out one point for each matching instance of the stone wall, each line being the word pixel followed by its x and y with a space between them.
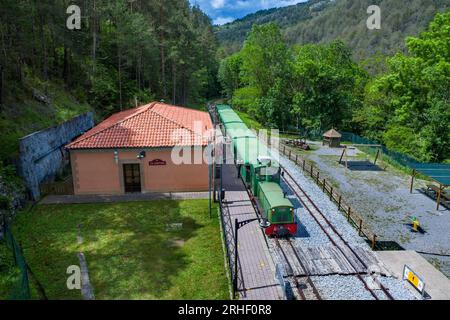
pixel 42 154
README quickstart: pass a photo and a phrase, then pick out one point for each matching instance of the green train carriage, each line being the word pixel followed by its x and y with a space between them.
pixel 260 173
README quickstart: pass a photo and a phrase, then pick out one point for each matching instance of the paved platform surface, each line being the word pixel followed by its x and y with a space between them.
pixel 437 285
pixel 257 270
pixel 75 199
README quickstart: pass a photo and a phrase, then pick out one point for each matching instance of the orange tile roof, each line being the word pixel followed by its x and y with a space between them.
pixel 152 125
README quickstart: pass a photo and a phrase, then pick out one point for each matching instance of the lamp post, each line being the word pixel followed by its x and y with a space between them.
pixel 225 142
pixel 210 180
pixel 264 224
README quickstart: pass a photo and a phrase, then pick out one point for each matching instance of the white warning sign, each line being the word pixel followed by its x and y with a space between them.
pixel 414 279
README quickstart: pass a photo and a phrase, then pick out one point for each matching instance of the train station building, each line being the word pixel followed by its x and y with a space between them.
pixel 132 152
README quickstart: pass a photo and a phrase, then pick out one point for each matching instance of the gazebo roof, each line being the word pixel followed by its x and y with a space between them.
pixel 332 134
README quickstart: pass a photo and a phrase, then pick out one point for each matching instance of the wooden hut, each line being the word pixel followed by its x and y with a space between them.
pixel 332 138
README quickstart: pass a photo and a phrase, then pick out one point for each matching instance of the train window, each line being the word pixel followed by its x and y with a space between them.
pixel 268 173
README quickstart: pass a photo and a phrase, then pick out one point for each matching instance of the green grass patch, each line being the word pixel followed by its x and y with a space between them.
pixel 9 273
pixel 131 251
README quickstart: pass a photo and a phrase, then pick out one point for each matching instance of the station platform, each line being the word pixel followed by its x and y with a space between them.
pixel 256 267
pixel 437 285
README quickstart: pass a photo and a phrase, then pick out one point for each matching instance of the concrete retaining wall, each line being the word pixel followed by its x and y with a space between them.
pixel 42 154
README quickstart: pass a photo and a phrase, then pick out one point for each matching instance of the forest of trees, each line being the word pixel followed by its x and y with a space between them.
pixel 125 49
pixel 130 52
pixel 323 21
pixel 319 86
pixel 126 52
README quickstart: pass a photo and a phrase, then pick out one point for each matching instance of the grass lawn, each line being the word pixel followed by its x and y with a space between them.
pixel 9 273
pixel 130 251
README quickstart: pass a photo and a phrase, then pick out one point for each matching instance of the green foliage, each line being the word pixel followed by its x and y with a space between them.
pixel 125 52
pixel 263 71
pixel 327 85
pixel 273 107
pixel 9 177
pixel 410 103
pixel 10 274
pixel 244 99
pixel 316 87
pixel 5 202
pixel 229 74
pixel 324 21
pixel 264 57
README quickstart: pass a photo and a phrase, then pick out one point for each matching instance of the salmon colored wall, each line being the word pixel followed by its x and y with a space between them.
pixel 186 177
pixel 96 172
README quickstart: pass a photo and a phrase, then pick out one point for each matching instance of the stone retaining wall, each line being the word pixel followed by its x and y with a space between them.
pixel 42 154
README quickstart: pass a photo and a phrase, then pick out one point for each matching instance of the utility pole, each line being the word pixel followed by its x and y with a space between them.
pixel 210 178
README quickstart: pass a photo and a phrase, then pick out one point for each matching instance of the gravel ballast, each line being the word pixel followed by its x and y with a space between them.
pixel 332 287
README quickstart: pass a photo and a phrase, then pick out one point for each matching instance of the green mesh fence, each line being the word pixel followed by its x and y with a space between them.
pixel 21 289
pixel 392 156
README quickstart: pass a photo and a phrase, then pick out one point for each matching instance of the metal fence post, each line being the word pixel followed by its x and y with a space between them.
pixel 235 280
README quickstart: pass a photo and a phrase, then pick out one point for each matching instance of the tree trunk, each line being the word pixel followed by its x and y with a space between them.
pixel 66 65
pixel 163 71
pixel 184 89
pixel 44 51
pixel 120 77
pixel 94 37
pixel 1 85
pixel 174 83
pixel 162 52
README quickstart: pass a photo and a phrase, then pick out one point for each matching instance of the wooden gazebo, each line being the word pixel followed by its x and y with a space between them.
pixel 332 138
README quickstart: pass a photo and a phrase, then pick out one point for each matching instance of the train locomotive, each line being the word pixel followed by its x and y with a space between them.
pixel 260 173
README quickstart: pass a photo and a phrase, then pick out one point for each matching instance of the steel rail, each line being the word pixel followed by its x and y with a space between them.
pixel 298 286
pixel 308 278
pixel 305 195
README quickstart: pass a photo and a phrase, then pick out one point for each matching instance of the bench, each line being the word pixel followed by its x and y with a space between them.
pixel 435 189
pixel 446 195
pixel 432 188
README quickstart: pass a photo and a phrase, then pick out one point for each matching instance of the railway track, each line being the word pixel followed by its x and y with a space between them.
pixel 333 235
pixel 303 287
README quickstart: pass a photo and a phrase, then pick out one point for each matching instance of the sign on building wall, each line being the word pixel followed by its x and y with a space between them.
pixel 157 162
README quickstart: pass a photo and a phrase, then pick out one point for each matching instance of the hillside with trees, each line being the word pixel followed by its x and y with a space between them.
pixel 126 53
pixel 323 21
pixel 318 86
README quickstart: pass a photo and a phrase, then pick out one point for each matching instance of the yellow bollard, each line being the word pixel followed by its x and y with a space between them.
pixel 416 225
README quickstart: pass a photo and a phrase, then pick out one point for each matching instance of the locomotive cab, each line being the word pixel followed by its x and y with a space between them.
pixel 277 209
pixel 265 171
